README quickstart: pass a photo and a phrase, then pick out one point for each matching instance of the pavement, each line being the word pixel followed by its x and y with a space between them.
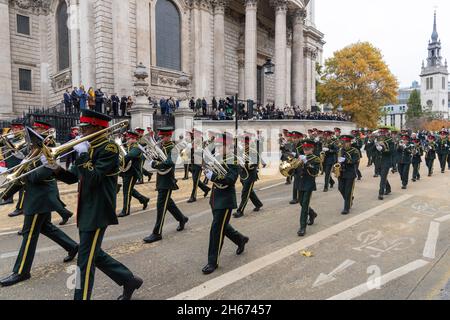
pixel 396 249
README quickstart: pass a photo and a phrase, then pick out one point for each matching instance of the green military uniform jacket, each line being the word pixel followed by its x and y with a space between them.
pixel 307 174
pixel 41 192
pixel 349 166
pixel 386 155
pixel 223 195
pixel 97 172
pixel 135 156
pixel 165 179
pixel 443 146
pixel 249 173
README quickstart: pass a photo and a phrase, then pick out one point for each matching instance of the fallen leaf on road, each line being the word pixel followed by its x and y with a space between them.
pixel 307 254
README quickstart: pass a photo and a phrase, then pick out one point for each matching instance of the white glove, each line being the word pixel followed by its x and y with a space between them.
pixel 82 148
pixel 44 161
pixel 11 136
pixel 19 155
pixel 151 163
pixel 325 149
pixel 379 148
pixel 208 174
pixel 303 158
pixel 317 139
pixel 3 169
pixel 189 146
pixel 293 154
pixel 341 159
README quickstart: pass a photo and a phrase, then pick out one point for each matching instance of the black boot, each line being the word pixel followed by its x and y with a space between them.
pixel 209 268
pixel 192 200
pixel 66 219
pixel 145 204
pixel 238 215
pixel 301 232
pixel 312 218
pixel 72 254
pixel 14 279
pixel 241 248
pixel 129 288
pixel 123 215
pixel 153 238
pixel 182 224
pixel 15 213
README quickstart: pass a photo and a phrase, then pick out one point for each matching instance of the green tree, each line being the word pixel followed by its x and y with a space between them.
pixel 414 106
pixel 357 79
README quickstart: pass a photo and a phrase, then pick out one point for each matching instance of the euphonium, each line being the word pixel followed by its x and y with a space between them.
pixel 288 167
pixel 122 154
pixel 338 167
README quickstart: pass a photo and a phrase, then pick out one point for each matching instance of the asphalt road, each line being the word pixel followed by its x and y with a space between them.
pixel 392 249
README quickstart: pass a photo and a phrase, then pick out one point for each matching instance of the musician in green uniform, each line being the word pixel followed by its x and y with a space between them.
pixel 286 149
pixel 297 152
pixel 357 144
pixel 329 155
pixel 145 172
pixel 396 153
pixel 96 171
pixel 443 149
pixel 223 201
pixel 404 150
pixel 417 154
pixel 348 158
pixel 40 199
pixel 13 160
pixel 430 153
pixel 384 148
pixel 249 175
pixel 307 174
pixel 196 166
pixel 133 159
pixel 369 147
pixel 166 184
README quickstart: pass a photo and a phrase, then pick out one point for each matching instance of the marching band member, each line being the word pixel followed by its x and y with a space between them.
pixel 384 149
pixel 96 171
pixel 404 160
pixel 416 157
pixel 146 173
pixel 297 152
pixel 248 176
pixel 223 201
pixel 329 150
pixel 41 197
pixel 395 154
pixel 357 144
pixel 430 154
pixel 131 176
pixel 348 158
pixel 166 184
pixel 196 166
pixel 307 174
pixel 443 149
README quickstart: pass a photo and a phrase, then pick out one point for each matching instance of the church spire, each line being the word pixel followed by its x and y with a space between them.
pixel 434 36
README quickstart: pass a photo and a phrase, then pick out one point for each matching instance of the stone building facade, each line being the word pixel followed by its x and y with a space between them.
pixel 54 45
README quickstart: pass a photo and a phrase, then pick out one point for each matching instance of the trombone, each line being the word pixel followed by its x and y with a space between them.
pixel 52 154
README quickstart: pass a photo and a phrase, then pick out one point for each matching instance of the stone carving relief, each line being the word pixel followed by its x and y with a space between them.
pixel 35 6
pixel 62 80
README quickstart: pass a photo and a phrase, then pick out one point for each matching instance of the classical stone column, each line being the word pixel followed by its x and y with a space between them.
pixel 289 69
pixel 241 80
pixel 74 31
pixel 251 37
pixel 6 102
pixel 87 44
pixel 280 51
pixel 298 21
pixel 219 48
pixel 308 76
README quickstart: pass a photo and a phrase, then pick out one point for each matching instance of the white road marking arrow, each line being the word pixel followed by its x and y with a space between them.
pixel 327 278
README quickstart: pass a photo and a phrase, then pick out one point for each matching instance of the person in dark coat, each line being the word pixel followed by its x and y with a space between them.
pixel 123 105
pixel 99 100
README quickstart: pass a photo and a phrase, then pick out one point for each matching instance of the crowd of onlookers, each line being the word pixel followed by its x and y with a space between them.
pixel 113 105
pixel 217 109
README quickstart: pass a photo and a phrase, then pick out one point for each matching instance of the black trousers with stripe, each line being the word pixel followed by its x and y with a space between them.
pixel 385 186
pixel 403 170
pixel 443 160
pixel 90 257
pixel 129 192
pixel 416 170
pixel 346 188
pixel 34 226
pixel 430 165
pixel 248 193
pixel 306 211
pixel 328 178
pixel 164 204
pixel 196 174
pixel 19 205
pixel 221 228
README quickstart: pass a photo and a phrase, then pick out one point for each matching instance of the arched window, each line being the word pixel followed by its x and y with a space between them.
pixel 63 36
pixel 168 35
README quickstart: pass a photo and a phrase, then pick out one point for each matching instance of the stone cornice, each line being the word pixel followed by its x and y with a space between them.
pixel 34 6
pixel 299 16
pixel 279 5
pixel 251 4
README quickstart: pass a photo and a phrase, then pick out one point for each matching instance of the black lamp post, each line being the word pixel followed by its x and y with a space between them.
pixel 269 69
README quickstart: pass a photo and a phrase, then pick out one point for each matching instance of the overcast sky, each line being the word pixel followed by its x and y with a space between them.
pixel 401 29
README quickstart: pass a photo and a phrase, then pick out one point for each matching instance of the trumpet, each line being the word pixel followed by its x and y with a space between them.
pixel 53 154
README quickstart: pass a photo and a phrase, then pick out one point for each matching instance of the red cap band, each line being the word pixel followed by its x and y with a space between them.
pixel 307 145
pixel 163 134
pixel 346 139
pixel 40 125
pixel 95 122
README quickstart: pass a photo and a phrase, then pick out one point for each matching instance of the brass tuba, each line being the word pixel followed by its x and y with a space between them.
pixel 337 168
pixel 288 167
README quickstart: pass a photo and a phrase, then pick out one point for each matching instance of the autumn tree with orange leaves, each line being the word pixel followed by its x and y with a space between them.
pixel 357 79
